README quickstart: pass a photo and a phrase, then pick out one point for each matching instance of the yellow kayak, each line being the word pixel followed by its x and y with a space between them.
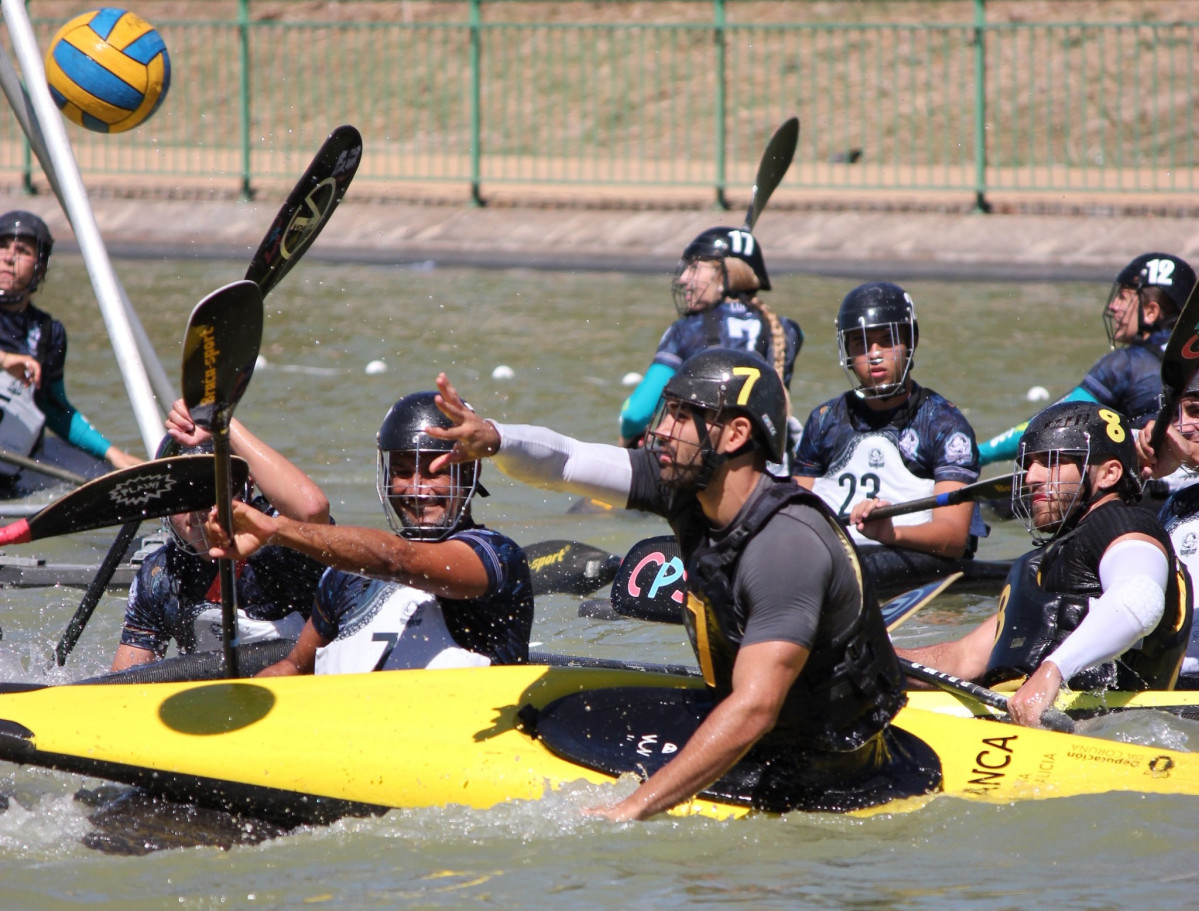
pixel 318 747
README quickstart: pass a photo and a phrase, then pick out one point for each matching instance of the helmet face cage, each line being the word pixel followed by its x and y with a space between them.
pixel 1066 499
pixel 900 336
pixel 27 226
pixel 1173 277
pixel 1113 322
pixel 679 288
pixel 692 461
pixel 194 545
pixel 424 507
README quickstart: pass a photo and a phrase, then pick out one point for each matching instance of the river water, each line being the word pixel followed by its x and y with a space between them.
pixel 568 339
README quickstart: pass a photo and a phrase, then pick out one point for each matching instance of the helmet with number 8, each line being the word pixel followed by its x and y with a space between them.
pixel 1087 434
pixel 1163 278
pixel 721 244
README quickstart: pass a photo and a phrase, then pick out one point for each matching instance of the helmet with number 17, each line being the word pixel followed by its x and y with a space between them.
pixel 1159 278
pixel 724 246
pixel 1084 434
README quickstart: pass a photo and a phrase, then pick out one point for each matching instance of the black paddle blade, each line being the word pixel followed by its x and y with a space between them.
pixel 651 583
pixel 775 161
pixel 147 491
pixel 308 208
pixel 569 566
pixel 219 351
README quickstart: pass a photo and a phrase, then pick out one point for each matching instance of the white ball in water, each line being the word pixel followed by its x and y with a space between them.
pixel 374 368
pixel 631 379
pixel 503 372
pixel 1038 394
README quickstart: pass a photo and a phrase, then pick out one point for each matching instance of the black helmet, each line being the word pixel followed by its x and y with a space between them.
pixel 1085 432
pixel 719 244
pixel 877 305
pixel 722 381
pixel 1171 275
pixel 402 434
pixel 19 223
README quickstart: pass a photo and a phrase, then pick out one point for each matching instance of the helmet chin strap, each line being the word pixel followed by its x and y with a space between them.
pixel 711 460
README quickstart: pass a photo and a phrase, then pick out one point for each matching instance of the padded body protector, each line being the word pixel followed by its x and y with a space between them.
pixel 847 692
pixel 1048 593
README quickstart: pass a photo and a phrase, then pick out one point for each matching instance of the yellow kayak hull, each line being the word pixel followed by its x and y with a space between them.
pixel 313 747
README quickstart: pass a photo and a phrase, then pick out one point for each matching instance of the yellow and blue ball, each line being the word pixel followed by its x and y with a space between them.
pixel 108 70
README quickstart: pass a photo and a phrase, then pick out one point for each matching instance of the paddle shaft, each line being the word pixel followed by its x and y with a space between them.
pixel 224 505
pixel 1053 719
pixel 989 489
pixel 60 474
pixel 95 589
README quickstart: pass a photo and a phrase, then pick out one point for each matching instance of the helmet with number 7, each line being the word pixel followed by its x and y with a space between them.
pixel 721 244
pixel 717 383
pixel 1086 434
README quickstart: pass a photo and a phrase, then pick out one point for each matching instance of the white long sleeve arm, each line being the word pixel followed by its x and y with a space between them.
pixel 1134 575
pixel 542 458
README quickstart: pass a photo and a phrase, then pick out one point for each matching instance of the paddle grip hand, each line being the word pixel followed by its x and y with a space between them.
pixel 182 429
pixel 473 437
pixel 249 531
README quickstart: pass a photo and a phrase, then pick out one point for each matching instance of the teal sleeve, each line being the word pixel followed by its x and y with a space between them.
pixel 66 422
pixel 1003 448
pixel 639 407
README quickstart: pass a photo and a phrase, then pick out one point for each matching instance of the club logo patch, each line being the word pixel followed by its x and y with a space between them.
pixel 958 449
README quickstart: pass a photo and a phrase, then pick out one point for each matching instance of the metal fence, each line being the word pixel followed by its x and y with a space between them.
pixel 470 95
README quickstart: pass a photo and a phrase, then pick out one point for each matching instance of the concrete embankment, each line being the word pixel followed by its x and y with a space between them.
pixel 879 244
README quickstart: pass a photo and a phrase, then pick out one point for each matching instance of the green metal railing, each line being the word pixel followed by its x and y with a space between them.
pixel 474 94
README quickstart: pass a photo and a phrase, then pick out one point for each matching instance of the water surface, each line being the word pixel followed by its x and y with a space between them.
pixel 569 339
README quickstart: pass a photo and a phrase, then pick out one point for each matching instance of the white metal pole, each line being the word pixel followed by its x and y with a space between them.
pixel 73 196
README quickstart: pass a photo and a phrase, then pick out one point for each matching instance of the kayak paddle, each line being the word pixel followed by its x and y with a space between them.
pixel 1053 719
pixel 219 352
pixel 308 208
pixel 300 219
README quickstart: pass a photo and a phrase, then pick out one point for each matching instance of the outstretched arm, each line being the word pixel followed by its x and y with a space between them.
pixel 535 455
pixel 450 569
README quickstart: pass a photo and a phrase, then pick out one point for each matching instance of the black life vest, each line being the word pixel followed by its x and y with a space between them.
pixel 847 691
pixel 1033 622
